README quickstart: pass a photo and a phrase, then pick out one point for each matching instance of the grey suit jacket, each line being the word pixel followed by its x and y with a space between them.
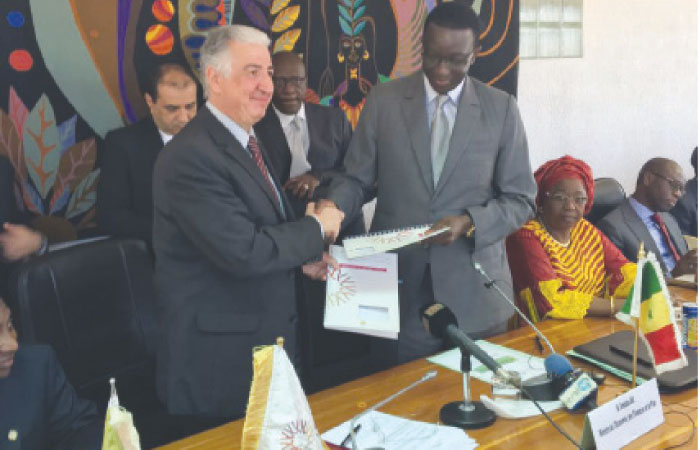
pixel 487 174
pixel 626 230
pixel 226 268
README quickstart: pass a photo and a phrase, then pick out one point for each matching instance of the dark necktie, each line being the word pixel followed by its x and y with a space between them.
pixel 662 226
pixel 257 156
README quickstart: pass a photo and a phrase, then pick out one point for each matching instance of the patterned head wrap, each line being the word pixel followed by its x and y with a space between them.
pixel 551 172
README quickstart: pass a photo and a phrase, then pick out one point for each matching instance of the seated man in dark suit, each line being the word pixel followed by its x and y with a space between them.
pixel 124 197
pixel 38 407
pixel 644 218
pixel 686 210
pixel 305 142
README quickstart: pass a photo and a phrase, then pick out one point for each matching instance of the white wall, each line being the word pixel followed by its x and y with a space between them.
pixel 633 95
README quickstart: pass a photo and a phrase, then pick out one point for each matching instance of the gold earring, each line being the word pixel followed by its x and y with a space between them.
pixel 365 55
pixel 341 58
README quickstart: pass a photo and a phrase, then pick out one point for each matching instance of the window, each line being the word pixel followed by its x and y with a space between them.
pixel 551 29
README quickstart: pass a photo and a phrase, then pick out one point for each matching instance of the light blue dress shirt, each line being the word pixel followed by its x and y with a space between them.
pixel 646 214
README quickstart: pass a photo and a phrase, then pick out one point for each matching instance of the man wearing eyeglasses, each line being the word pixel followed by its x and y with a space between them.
pixel 644 217
pixel 445 149
pixel 306 142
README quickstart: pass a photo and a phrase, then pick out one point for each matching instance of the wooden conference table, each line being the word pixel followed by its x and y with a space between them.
pixel 336 405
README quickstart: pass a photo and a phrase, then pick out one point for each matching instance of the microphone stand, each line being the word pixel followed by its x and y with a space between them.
pixel 466 414
pixel 539 387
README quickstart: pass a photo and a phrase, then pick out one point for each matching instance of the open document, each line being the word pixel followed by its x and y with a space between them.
pixel 383 241
pixel 362 295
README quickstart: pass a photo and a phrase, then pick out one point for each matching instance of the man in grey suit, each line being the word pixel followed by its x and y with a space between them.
pixel 446 149
pixel 644 217
pixel 228 247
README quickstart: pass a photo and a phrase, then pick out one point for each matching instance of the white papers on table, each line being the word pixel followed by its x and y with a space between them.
pixel 383 241
pixel 362 296
pixel 390 432
pixel 518 409
pixel 527 366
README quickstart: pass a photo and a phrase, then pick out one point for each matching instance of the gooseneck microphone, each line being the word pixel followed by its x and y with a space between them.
pixel 490 283
pixel 441 322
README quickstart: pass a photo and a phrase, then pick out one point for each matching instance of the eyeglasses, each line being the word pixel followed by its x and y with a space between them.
pixel 675 185
pixel 282 82
pixel 431 61
pixel 562 199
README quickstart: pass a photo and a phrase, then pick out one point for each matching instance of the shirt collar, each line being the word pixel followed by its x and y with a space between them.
pixel 431 93
pixel 241 135
pixel 165 136
pixel 642 210
pixel 286 119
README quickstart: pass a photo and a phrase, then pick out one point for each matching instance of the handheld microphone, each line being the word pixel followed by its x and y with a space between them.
pixel 441 322
pixel 574 387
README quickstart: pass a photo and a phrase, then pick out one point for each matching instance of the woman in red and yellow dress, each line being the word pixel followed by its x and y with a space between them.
pixel 563 267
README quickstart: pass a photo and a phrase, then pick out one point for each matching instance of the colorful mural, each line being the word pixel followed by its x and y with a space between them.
pixel 74 69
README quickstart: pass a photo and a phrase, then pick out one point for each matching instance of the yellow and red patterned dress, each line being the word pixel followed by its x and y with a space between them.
pixel 557 281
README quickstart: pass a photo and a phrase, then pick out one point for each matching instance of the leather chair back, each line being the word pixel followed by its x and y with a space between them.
pixel 609 193
pixel 94 304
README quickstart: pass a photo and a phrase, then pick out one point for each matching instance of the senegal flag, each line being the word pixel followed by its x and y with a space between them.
pixel 649 302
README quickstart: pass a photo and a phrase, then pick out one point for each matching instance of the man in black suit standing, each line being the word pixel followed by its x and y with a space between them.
pixel 228 245
pixel 124 198
pixel 306 142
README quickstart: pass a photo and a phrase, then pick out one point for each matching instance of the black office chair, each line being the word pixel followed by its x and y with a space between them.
pixel 609 193
pixel 94 304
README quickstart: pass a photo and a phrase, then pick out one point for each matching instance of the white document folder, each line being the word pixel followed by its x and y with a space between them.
pixel 362 295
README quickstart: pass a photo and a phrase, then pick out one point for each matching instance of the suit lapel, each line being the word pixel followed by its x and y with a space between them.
pixel 271 133
pixel 153 141
pixel 466 121
pixel 315 120
pixel 230 145
pixel 416 121
pixel 640 231
pixel 675 233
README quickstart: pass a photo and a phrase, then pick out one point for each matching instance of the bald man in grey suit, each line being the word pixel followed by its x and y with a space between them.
pixel 478 182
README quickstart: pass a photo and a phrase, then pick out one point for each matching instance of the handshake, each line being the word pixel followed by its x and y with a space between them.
pixel 329 216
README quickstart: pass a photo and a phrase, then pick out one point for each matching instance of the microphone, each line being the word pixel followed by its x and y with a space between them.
pixel 428 376
pixel 574 387
pixel 441 322
pixel 491 283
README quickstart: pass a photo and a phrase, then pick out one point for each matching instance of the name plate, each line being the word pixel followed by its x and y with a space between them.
pixel 624 419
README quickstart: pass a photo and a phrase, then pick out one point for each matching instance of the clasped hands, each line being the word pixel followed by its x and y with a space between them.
pixel 330 218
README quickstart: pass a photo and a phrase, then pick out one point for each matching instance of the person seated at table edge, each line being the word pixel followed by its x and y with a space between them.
pixel 562 266
pixel 39 407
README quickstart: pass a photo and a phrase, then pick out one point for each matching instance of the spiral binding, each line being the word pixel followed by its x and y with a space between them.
pixel 384 232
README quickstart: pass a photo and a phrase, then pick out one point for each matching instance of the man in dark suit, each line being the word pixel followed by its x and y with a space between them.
pixel 306 142
pixel 443 148
pixel 39 409
pixel 124 197
pixel 228 246
pixel 644 218
pixel 686 210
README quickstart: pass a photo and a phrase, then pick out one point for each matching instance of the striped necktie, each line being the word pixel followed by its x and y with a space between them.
pixel 258 158
pixel 664 230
